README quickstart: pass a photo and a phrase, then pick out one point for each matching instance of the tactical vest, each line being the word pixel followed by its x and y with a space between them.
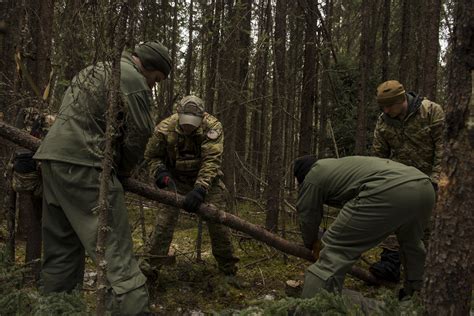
pixel 184 152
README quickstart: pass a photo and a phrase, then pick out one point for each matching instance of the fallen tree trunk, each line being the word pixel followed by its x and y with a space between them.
pixel 207 211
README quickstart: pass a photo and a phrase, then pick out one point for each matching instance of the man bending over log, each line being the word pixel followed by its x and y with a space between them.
pixel 378 197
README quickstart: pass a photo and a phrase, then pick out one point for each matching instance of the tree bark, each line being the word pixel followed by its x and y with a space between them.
pixel 326 78
pixel 430 53
pixel 385 66
pixel 449 265
pixel 117 31
pixel 245 15
pixel 189 52
pixel 366 52
pixel 9 205
pixel 207 211
pixel 33 207
pixel 260 90
pixel 274 170
pixel 212 62
pixel 310 76
pixel 404 43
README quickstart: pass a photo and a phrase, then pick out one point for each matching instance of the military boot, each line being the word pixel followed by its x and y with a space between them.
pixel 388 268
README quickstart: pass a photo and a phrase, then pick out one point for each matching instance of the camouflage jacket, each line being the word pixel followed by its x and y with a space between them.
pixel 414 141
pixel 35 122
pixel 193 158
pixel 78 134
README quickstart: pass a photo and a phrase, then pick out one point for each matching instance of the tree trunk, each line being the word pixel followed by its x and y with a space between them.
pixel 9 206
pixel 404 43
pixel 228 93
pixel 366 53
pixel 72 42
pixel 308 93
pixel 213 57
pixel 189 52
pixel 33 207
pixel 245 15
pixel 430 48
pixel 41 21
pixel 275 168
pixel 207 211
pixel 259 96
pixel 385 66
pixel 117 31
pixel 326 80
pixel 449 269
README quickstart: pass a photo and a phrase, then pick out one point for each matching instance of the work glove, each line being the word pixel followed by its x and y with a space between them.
pixel 24 162
pixel 193 199
pixel 164 180
pixel 316 249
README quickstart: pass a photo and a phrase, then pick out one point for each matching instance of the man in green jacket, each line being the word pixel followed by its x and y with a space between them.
pixel 185 154
pixel 377 197
pixel 409 131
pixel 71 155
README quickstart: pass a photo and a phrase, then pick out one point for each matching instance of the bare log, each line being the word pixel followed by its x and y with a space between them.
pixel 207 211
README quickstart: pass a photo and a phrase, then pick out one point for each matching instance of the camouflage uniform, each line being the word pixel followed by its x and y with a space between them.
pixel 193 160
pixel 415 141
pixel 36 124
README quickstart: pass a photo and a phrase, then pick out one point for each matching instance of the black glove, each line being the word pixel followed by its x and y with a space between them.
pixel 24 162
pixel 193 199
pixel 164 180
pixel 388 268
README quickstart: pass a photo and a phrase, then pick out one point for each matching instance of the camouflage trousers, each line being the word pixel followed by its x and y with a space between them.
pixel 30 182
pixel 221 244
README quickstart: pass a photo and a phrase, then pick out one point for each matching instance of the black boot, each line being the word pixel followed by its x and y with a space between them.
pixel 388 268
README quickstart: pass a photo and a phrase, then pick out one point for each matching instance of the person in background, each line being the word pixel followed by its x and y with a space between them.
pixel 409 131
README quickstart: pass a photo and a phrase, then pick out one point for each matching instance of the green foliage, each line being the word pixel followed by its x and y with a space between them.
pixel 323 304
pixel 333 304
pixel 16 298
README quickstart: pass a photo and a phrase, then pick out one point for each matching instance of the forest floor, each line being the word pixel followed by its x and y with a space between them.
pixel 195 288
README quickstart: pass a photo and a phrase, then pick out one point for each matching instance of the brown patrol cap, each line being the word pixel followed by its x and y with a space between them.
pixel 390 92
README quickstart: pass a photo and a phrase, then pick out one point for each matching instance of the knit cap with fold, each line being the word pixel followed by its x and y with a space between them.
pixel 154 56
pixel 302 165
pixel 390 92
pixel 190 110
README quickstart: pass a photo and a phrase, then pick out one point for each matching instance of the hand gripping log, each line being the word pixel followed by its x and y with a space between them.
pixel 207 211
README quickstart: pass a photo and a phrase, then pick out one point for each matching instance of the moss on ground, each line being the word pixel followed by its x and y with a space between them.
pixel 191 287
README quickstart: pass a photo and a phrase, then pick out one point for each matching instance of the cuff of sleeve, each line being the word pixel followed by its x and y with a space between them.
pixel 201 186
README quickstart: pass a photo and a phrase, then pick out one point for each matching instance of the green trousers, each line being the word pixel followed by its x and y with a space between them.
pixel 70 195
pixel 167 219
pixel 363 223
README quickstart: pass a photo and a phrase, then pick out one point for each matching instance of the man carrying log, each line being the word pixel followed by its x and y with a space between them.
pixel 185 155
pixel 71 156
pixel 378 197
